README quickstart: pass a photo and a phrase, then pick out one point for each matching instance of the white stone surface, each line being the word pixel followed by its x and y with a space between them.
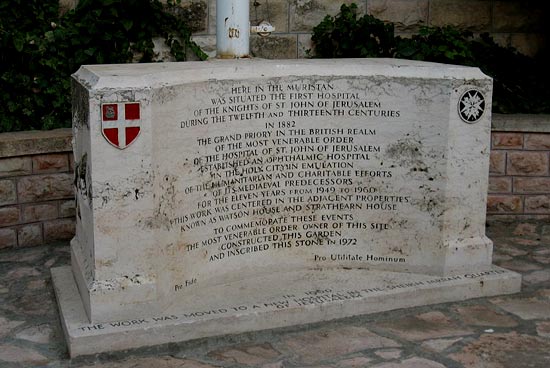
pixel 232 171
pixel 270 301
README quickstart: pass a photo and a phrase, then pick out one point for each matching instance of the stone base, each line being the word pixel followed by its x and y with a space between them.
pixel 270 302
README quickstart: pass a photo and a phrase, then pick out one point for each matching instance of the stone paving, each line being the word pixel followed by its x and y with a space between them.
pixel 499 332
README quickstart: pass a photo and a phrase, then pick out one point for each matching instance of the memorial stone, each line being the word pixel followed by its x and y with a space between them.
pixel 227 196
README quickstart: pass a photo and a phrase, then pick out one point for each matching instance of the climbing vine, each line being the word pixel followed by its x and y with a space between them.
pixel 40 49
pixel 520 82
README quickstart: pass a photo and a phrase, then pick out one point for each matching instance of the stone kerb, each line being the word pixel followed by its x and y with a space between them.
pixel 36 188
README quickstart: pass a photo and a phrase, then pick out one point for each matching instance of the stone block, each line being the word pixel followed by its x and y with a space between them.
pixel 212 17
pixel 67 208
pixel 71 162
pixel 207 43
pixel 50 163
pixel 275 46
pixel 537 141
pixel 306 14
pixel 35 142
pixel 473 15
pixel 304 45
pixel 507 140
pixel 8 192
pixel 527 163
pixel 407 15
pixel 39 212
pixel 497 163
pixel 29 235
pixel 504 204
pixel 230 175
pixel 499 184
pixel 194 13
pixel 15 166
pixel 45 187
pixel 537 204
pixel 9 215
pixel 8 237
pixel 62 229
pixel 518 16
pixel 531 185
pixel 273 11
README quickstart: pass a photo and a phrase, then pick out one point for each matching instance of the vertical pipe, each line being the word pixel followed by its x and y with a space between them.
pixel 232 28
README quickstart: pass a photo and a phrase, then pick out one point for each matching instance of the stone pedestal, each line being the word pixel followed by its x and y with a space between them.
pixel 227 196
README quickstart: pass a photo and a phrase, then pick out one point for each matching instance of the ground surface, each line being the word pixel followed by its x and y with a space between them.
pixel 499 332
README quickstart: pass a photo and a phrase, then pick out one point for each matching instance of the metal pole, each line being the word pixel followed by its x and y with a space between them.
pixel 232 29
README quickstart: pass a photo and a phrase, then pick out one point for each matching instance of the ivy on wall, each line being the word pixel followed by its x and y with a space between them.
pixel 519 82
pixel 40 50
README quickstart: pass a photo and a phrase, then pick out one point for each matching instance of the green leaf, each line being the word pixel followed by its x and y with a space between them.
pixel 127 24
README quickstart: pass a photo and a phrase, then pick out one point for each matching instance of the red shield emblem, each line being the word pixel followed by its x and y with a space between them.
pixel 120 123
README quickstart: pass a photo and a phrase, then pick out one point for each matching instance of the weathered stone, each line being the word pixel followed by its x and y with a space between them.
pixel 67 208
pixel 537 277
pixel 413 362
pixel 305 46
pixel 531 185
pixel 480 315
pixel 474 15
pixel 498 184
pixel 21 272
pixel 527 163
pixel 50 163
pixel 507 140
pixel 8 193
pixel 439 345
pixel 193 13
pixel 388 354
pixel 39 334
pixel 6 326
pixel 306 14
pixel 156 362
pixel 15 166
pixel 525 308
pixel 213 153
pixel 529 44
pixel 356 362
pixel 273 11
pixel 39 212
pixel 537 203
pixel 29 235
pixel 405 14
pixel 45 187
pixel 504 203
pixel 497 164
pixel 62 229
pixel 207 43
pixel 543 329
pixel 315 346
pixel 35 142
pixel 16 354
pixel 506 350
pixel 9 215
pixel 246 355
pixel 8 238
pixel 537 141
pixel 520 266
pixel 274 47
pixel 424 326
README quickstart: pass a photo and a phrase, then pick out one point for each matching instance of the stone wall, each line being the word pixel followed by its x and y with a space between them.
pixel 512 23
pixel 520 24
pixel 36 195
pixel 519 181
pixel 36 188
